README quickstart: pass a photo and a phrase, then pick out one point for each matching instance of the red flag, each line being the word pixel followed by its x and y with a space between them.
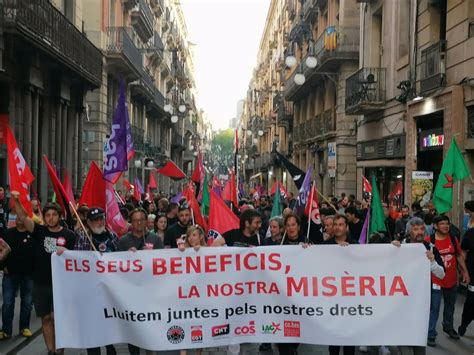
pixel 315 217
pixel 197 172
pixel 367 186
pixel 136 193
pixel 230 190
pixel 68 186
pixel 194 206
pixel 216 182
pixel 171 170
pixel 61 194
pixel 127 184
pixel 221 217
pixel 93 192
pixel 19 172
pixel 397 190
pixel 283 192
pixel 152 181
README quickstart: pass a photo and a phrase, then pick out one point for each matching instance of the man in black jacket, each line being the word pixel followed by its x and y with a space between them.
pixel 417 234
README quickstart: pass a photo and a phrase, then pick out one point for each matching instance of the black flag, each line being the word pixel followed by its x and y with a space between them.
pixel 296 173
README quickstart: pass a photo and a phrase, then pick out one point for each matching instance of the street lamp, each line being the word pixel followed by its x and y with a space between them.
pixel 260 133
pixel 150 164
pixel 174 119
pixel 138 163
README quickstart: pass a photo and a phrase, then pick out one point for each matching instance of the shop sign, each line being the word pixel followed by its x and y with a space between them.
pixel 332 159
pixel 421 187
pixel 384 148
pixel 432 139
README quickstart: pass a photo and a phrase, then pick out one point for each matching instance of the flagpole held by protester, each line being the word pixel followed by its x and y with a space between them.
pixel 73 208
pixel 310 210
pixel 325 199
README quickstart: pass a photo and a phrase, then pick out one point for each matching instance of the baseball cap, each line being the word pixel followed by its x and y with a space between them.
pixel 95 212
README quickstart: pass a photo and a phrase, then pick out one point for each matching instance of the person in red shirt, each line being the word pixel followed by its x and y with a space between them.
pixel 451 254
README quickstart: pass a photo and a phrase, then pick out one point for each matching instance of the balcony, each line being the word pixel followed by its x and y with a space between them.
pixel 158 7
pixel 138 137
pixel 284 113
pixel 158 99
pixel 310 10
pixel 166 65
pixel 365 91
pixel 144 87
pixel 334 45
pixel 41 24
pixel 122 54
pixel 189 125
pixel 188 155
pixel 433 67
pixel 177 141
pixel 149 150
pixel 142 20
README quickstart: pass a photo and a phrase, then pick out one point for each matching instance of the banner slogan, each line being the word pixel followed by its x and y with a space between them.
pixel 168 300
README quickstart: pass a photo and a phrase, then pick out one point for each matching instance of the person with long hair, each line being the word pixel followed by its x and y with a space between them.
pixel 161 225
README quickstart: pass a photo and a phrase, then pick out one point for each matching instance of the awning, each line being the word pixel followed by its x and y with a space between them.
pixel 255 176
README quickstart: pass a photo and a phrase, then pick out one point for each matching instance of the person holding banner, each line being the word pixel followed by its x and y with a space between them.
pixel 292 231
pixel 48 239
pixel 276 227
pixel 342 238
pixel 245 236
pixel 416 234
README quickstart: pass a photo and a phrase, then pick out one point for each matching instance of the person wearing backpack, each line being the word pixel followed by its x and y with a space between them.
pixel 450 251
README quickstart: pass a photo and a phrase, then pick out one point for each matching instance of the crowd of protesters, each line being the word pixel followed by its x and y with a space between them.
pixel 28 243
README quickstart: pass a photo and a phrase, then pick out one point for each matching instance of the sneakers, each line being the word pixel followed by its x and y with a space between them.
pixel 4 336
pixel 431 342
pixel 462 330
pixel 363 349
pixel 452 333
pixel 26 333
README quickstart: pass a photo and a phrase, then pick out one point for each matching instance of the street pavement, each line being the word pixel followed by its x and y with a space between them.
pixel 35 345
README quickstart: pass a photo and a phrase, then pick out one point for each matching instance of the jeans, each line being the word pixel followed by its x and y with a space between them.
pixel 10 286
pixel 449 297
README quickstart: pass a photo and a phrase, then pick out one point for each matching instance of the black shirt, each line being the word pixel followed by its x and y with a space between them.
pixel 300 239
pixel 22 257
pixel 235 238
pixel 172 221
pixel 173 233
pixel 46 243
pixel 333 241
pixel 270 241
pixel 467 245
pixel 355 229
pixel 149 241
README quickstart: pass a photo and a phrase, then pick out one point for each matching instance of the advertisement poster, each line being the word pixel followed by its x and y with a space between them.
pixel 421 187
pixel 332 159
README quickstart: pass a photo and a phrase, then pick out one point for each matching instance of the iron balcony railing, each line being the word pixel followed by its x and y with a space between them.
pixel 310 10
pixel 365 91
pixel 119 41
pixel 159 99
pixel 178 140
pixel 138 136
pixel 337 39
pixel 46 27
pixel 142 20
pixel 433 67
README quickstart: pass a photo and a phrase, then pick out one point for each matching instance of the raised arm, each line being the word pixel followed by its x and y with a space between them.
pixel 21 213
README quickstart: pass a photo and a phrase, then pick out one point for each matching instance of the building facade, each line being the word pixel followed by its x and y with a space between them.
pixel 48 65
pixel 145 45
pixel 421 93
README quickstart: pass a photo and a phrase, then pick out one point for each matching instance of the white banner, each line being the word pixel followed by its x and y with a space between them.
pixel 167 299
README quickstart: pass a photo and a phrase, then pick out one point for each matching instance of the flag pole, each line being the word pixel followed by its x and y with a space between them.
pixel 192 216
pixel 310 210
pixel 71 205
pixel 283 239
pixel 325 199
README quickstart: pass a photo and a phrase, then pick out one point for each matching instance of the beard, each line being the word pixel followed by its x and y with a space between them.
pixel 98 230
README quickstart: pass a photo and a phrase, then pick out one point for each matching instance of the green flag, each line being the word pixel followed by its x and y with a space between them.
pixel 377 217
pixel 53 198
pixel 205 202
pixel 276 209
pixel 454 169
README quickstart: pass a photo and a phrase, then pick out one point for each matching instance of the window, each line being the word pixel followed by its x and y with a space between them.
pixel 471 29
pixel 403 27
pixel 68 9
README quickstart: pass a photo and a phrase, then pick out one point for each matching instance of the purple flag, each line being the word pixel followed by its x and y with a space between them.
pixel 139 186
pixel 116 147
pixel 177 198
pixel 363 239
pixel 303 194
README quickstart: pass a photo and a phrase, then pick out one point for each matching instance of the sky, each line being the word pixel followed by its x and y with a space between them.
pixel 227 35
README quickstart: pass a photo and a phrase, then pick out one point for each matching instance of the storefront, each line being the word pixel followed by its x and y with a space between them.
pixel 384 158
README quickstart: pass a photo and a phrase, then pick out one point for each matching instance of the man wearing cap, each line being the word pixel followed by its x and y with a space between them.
pixel 47 240
pixel 179 229
pixel 103 239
